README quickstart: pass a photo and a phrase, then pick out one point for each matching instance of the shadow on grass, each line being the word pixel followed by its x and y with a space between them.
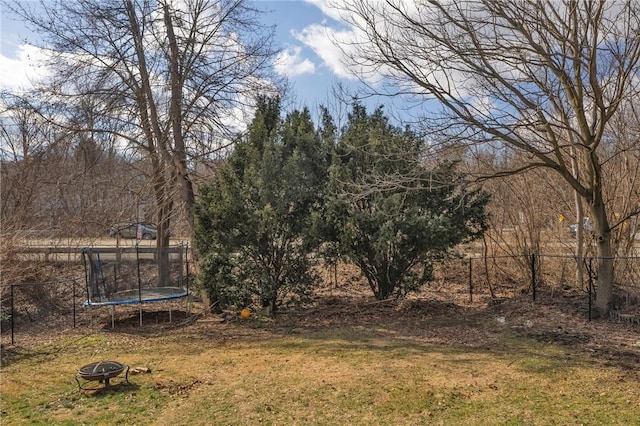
pixel 402 326
pixel 101 391
pixel 16 354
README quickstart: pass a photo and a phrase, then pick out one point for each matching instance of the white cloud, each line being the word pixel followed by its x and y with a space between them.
pixel 322 40
pixel 337 40
pixel 327 7
pixel 291 63
pixel 344 47
pixel 20 73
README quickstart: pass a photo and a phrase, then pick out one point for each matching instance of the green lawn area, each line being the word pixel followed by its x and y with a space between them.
pixel 235 374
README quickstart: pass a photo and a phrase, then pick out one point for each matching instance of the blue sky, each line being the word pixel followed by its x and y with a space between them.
pixel 304 29
pixel 310 60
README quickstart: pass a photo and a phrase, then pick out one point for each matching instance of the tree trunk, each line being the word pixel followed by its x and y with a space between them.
pixel 602 235
pixel 579 240
pixel 179 148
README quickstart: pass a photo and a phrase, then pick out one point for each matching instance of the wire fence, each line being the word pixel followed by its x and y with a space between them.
pixel 36 305
pixel 507 276
pixel 60 303
pixel 63 298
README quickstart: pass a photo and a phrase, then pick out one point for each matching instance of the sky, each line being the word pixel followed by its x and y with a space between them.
pixel 309 58
pixel 304 29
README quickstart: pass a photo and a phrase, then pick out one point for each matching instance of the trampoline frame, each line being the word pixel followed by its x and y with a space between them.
pixel 143 295
pixel 137 295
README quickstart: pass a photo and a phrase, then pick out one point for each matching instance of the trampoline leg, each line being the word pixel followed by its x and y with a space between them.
pixel 113 316
pixel 170 314
pixel 140 315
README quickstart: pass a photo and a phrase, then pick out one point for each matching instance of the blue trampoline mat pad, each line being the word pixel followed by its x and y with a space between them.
pixel 143 295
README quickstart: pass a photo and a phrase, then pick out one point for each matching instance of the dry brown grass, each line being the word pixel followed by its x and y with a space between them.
pixel 434 359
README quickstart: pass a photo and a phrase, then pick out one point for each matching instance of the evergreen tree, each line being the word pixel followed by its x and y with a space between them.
pixel 254 222
pixel 392 215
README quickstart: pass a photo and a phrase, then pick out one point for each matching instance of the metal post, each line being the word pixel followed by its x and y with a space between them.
pixel 590 285
pixel 74 303
pixel 12 316
pixel 186 279
pixel 86 276
pixel 470 280
pixel 138 270
pixel 139 281
pixel 533 275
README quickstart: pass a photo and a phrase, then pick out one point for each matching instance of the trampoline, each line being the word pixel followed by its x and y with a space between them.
pixel 146 295
pixel 135 275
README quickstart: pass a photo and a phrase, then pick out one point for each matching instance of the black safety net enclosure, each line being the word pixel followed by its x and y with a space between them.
pixel 124 275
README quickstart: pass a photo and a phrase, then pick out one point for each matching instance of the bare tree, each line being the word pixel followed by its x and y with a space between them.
pixel 57 182
pixel 166 72
pixel 539 77
pixel 623 170
pixel 24 138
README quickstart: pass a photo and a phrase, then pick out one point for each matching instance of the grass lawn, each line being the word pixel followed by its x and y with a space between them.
pixel 254 372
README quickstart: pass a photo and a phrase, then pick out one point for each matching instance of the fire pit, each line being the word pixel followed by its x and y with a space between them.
pixel 101 371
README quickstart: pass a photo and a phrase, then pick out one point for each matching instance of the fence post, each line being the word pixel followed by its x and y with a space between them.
pixel 74 303
pixel 12 316
pixel 156 253
pixel 186 262
pixel 590 285
pixel 470 280
pixel 533 275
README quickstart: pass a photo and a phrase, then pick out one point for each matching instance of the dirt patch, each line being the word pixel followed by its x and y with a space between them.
pixel 173 388
pixel 450 319
pixel 438 315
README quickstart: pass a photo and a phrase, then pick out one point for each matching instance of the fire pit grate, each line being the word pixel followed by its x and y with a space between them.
pixel 101 371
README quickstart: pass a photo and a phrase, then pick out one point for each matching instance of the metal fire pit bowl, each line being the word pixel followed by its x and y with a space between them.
pixel 101 371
